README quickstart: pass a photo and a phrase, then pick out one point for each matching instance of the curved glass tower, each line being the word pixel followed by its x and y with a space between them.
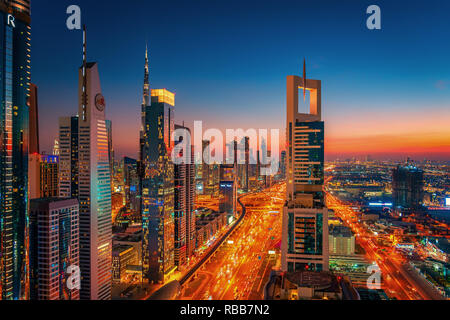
pixel 15 77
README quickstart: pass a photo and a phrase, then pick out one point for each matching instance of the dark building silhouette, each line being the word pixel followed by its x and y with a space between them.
pixel 34 120
pixel 184 194
pixel 407 187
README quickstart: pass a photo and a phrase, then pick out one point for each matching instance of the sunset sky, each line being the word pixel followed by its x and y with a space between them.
pixel 385 93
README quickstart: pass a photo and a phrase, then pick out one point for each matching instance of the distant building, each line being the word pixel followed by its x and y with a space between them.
pixel 49 176
pixel 34 176
pixel 228 199
pixel 184 194
pixel 407 187
pixel 133 239
pixel 244 166
pixel 122 257
pixel 208 223
pixel 68 157
pixel 342 241
pixel 131 184
pixel 283 165
pixel 33 120
pixel 54 247
pixel 309 285
pixel 372 295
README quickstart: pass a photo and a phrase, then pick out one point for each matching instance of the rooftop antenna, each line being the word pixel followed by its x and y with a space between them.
pixel 84 67
pixel 304 80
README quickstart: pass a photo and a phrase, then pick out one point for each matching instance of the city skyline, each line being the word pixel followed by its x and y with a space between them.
pixel 200 204
pixel 395 105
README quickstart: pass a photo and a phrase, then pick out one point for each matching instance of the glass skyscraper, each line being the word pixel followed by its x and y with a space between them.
pixel 407 187
pixel 15 78
pixel 157 182
pixel 54 248
pixel 305 217
pixel 158 188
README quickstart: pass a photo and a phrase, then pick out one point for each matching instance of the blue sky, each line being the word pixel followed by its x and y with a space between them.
pixel 227 61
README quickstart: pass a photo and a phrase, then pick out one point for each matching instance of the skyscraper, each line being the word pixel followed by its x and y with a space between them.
pixel 157 182
pixel 407 187
pixel 68 157
pixel 244 163
pixel 283 165
pixel 15 78
pixel 94 185
pixel 184 207
pixel 228 199
pixel 43 176
pixel 33 120
pixel 54 247
pixel 305 217
pixel 34 158
pixel 131 184
pixel 48 169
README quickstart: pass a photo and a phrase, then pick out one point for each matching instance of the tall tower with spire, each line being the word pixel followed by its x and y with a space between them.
pixel 94 185
pixel 305 217
pixel 146 102
pixel 146 97
pixel 157 182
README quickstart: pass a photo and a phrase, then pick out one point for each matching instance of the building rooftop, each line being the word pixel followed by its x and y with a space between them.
pixel 340 231
pixel 316 280
pixel 119 248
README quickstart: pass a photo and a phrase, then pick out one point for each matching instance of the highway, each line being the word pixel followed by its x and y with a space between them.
pixel 241 266
pixel 398 281
pixel 216 246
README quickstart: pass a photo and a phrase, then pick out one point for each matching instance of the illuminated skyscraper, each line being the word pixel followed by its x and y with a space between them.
pixel 243 166
pixel 131 184
pixel 19 6
pixel 94 186
pixel 68 157
pixel 34 120
pixel 48 185
pixel 305 217
pixel 54 247
pixel 157 182
pixel 158 188
pixel 283 165
pixel 228 199
pixel 184 208
pixel 15 78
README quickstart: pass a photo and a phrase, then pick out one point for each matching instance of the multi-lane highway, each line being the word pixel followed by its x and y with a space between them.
pixel 399 281
pixel 241 266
